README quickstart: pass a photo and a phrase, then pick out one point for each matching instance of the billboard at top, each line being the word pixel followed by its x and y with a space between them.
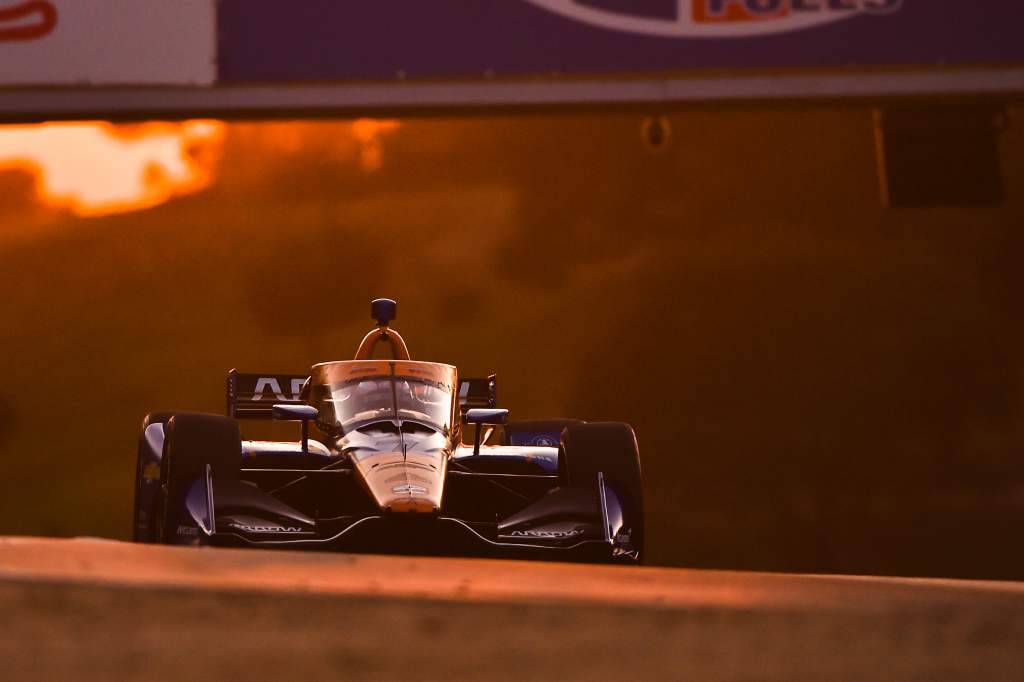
pixel 270 40
pixel 107 42
pixel 114 58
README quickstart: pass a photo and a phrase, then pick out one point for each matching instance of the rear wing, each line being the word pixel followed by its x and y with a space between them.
pixel 474 393
pixel 251 396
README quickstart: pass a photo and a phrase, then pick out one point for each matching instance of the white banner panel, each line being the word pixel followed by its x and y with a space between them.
pixel 107 42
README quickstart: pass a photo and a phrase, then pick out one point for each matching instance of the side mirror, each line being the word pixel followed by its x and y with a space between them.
pixel 295 413
pixel 482 417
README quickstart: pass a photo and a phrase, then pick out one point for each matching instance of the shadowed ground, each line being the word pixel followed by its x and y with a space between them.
pixel 92 609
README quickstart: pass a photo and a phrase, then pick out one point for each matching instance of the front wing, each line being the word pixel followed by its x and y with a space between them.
pixel 569 523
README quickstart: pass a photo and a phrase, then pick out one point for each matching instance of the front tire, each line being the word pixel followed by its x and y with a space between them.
pixel 192 442
pixel 609 448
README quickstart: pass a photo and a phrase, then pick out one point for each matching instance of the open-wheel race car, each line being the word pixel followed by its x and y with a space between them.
pixel 382 466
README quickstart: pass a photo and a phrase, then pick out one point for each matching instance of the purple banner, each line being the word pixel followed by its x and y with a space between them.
pixel 320 40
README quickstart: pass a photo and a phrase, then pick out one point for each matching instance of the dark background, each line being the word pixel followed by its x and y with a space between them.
pixel 818 383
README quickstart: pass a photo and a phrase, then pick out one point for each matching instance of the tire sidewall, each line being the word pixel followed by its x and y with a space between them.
pixel 140 465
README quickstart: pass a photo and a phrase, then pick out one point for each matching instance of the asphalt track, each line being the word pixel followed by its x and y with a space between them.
pixel 89 609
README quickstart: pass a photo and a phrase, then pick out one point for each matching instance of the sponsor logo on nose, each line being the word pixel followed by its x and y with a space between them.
pixel 408 489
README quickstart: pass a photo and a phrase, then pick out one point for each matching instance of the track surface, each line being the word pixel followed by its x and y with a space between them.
pixel 99 609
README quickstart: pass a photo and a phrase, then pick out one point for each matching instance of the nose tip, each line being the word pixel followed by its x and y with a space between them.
pixel 414 505
pixel 400 482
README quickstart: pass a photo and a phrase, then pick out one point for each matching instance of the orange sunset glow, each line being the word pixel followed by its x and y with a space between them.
pixel 95 168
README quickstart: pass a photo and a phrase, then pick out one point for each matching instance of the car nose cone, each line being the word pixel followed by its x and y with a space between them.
pixel 397 482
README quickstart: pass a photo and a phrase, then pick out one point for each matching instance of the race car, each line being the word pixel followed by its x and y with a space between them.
pixel 395 456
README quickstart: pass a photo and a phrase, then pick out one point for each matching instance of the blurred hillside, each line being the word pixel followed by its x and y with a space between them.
pixel 817 383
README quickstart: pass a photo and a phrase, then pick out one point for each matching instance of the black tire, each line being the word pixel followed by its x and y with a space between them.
pixel 611 448
pixel 546 426
pixel 191 442
pixel 137 523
